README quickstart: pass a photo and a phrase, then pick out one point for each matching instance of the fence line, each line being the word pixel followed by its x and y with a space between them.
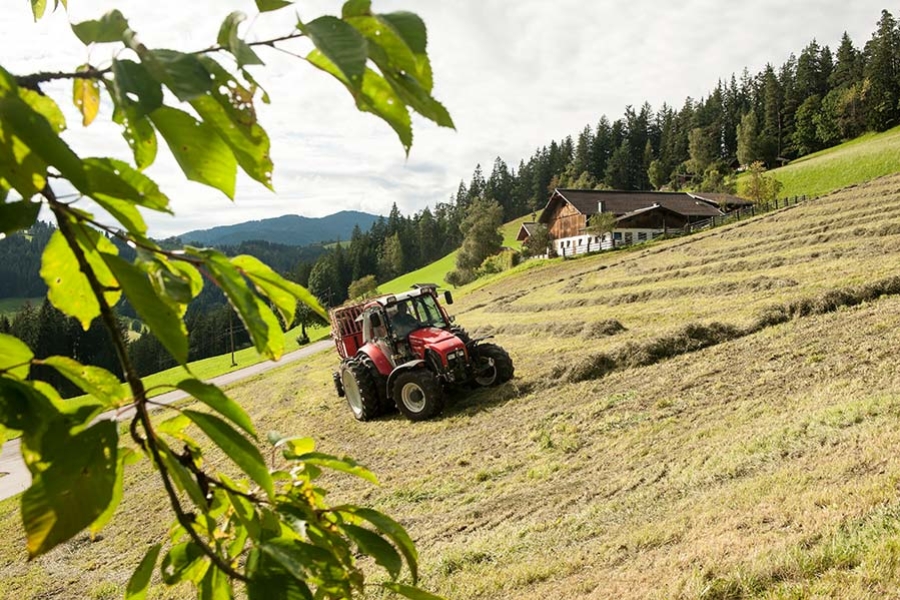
pixel 747 211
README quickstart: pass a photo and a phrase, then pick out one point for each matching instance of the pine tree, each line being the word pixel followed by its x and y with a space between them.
pixel 848 68
pixel 882 70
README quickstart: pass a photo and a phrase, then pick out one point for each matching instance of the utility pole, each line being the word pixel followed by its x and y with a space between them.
pixel 231 334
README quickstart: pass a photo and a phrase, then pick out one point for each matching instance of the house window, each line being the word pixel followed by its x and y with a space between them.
pixel 580 242
pixel 642 237
pixel 629 238
pixel 618 236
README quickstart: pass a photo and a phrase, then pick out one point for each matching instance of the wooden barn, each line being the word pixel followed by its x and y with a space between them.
pixel 640 216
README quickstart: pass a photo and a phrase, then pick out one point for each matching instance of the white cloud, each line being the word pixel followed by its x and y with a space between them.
pixel 513 74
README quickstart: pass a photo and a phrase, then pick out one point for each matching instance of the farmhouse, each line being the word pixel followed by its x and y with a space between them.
pixel 639 216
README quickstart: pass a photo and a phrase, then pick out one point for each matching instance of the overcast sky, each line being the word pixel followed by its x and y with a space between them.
pixel 514 75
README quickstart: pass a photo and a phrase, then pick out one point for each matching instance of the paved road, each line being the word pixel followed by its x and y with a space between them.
pixel 15 478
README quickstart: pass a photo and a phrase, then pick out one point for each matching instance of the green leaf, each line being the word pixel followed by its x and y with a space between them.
pixel 73 491
pixel 20 167
pixel 184 74
pixel 376 97
pixel 22 407
pixel 237 447
pixel 184 562
pixel 390 528
pixel 183 478
pixel 69 289
pixel 24 123
pixel 375 546
pixel 270 581
pixel 356 8
pixel 215 585
pixel 216 399
pixel 379 98
pixel 411 93
pixel 392 50
pixel 202 155
pixel 228 39
pixel 304 561
pixel 37 8
pixel 281 292
pixel 345 465
pixel 112 179
pixel 257 317
pixel 343 45
pixel 126 457
pixel 408 591
pixel 267 5
pixel 96 381
pixel 412 29
pixel 294 446
pixel 391 39
pixel 111 27
pixel 135 87
pixel 159 316
pixel 139 133
pixel 15 356
pixel 140 580
pixel 228 109
pixel 16 216
pixel 86 96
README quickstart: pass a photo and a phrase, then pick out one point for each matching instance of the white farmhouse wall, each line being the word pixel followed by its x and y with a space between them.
pixel 581 244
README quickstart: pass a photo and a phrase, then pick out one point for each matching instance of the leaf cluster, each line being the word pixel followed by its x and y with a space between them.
pixel 270 527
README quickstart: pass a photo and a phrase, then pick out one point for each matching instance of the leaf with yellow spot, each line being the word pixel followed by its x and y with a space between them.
pixel 86 96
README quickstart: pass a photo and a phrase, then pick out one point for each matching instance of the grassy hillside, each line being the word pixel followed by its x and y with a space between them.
pixel 854 162
pixel 435 272
pixel 707 417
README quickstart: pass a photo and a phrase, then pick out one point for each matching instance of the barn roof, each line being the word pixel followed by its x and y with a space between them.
pixel 587 202
pixel 721 200
pixel 525 231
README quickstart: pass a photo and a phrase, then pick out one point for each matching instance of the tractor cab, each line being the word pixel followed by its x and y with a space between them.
pixel 401 326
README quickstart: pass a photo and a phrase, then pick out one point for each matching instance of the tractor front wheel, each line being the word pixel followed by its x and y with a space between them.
pixel 493 365
pixel 418 394
pixel 360 390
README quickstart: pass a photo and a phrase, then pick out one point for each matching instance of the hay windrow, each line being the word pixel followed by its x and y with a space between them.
pixel 697 336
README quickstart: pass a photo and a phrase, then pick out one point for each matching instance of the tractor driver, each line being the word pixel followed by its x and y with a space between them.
pixel 403 323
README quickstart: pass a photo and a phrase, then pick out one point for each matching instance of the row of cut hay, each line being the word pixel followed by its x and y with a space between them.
pixel 696 336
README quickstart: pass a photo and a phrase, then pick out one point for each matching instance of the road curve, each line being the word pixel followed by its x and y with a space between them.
pixel 14 475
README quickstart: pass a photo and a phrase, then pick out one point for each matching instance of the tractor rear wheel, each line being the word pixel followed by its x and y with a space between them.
pixel 493 365
pixel 360 390
pixel 418 394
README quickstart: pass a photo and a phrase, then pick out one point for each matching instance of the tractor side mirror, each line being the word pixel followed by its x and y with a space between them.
pixel 448 297
pixel 375 320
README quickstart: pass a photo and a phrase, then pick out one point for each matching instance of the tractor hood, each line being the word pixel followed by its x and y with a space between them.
pixel 441 341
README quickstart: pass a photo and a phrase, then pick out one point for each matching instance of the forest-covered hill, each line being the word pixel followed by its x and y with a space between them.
pixel 289 230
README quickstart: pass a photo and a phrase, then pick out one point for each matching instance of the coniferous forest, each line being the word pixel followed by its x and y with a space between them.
pixel 819 97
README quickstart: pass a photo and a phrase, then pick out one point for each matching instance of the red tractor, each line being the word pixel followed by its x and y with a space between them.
pixel 403 350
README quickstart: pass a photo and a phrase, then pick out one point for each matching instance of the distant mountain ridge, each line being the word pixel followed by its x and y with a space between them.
pixel 292 230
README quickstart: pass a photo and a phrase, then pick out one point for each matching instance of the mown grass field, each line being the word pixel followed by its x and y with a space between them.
pixel 714 416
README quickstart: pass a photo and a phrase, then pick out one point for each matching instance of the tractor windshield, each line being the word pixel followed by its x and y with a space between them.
pixel 414 313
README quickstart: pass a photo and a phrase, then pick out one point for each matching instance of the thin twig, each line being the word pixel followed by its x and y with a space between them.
pixel 33 80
